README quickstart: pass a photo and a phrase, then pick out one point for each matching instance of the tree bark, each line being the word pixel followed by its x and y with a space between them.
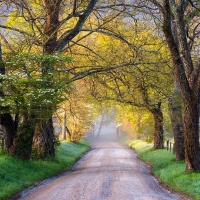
pixel 158 127
pixel 191 134
pixel 175 109
pixel 44 139
pixel 22 145
pixel 7 125
pixel 189 93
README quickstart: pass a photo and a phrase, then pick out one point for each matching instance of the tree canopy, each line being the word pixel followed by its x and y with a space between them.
pixel 127 52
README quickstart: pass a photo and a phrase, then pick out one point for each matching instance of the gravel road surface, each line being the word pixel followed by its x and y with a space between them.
pixel 109 171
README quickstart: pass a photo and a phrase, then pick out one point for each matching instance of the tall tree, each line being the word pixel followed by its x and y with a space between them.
pixel 42 25
pixel 183 15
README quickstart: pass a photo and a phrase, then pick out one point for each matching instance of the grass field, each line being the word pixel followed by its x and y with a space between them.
pixel 170 171
pixel 16 175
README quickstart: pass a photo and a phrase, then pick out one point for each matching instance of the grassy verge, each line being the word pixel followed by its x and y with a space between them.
pixel 16 175
pixel 171 172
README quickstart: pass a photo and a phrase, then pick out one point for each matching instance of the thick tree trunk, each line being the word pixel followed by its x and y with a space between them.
pixel 177 124
pixel 44 139
pixel 8 129
pixel 185 77
pixel 158 127
pixel 199 101
pixel 191 134
pixel 190 124
pixel 22 145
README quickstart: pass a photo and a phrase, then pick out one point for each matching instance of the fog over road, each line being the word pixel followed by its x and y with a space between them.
pixel 109 171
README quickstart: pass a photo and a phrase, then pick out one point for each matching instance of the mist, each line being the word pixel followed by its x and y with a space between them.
pixel 108 132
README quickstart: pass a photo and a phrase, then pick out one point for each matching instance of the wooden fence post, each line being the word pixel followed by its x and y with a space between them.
pixel 170 146
pixel 167 145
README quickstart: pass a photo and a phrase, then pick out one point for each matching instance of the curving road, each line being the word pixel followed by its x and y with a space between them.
pixel 110 171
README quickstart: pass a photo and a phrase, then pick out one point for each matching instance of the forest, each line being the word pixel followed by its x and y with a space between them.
pixel 67 62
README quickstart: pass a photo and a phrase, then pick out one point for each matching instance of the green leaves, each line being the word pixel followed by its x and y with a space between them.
pixel 27 88
pixel 34 60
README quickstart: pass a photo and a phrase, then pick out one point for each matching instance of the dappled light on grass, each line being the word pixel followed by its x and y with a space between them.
pixel 140 146
pixel 16 175
pixel 170 171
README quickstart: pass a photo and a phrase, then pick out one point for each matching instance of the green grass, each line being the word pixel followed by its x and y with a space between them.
pixel 170 171
pixel 16 175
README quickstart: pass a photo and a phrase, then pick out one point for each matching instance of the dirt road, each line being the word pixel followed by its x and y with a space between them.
pixel 109 171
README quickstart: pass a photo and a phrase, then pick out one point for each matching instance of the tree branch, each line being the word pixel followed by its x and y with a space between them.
pixel 64 39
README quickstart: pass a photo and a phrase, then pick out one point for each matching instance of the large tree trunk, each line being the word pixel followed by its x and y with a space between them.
pixel 22 145
pixel 158 127
pixel 175 109
pixel 44 139
pixel 187 78
pixel 8 129
pixel 191 134
pixel 191 126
